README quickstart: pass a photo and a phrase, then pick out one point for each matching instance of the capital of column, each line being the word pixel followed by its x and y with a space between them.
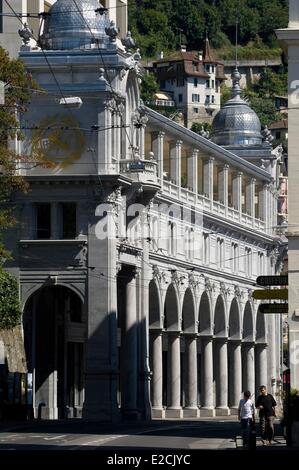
pixel 173 334
pixel 238 174
pixel 251 180
pixel 224 167
pixel 193 153
pixel 221 339
pixel 156 332
pixel 190 335
pixel 159 134
pixel 209 159
pixel 176 143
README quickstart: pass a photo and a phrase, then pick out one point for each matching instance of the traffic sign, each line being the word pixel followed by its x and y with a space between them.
pixel 277 294
pixel 274 308
pixel 272 280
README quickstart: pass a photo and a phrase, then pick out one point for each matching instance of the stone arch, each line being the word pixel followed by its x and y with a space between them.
pixel 234 328
pixel 171 310
pixel 219 318
pixel 30 291
pixel 260 328
pixel 57 360
pixel 248 332
pixel 188 313
pixel 155 320
pixel 204 315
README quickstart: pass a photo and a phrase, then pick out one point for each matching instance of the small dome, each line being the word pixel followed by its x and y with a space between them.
pixel 74 25
pixel 236 124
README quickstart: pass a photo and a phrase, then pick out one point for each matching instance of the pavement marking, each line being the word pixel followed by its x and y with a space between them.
pixel 98 441
pixel 55 437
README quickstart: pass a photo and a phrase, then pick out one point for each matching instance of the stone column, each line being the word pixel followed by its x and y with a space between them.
pixel 208 174
pixel 250 197
pixel 223 184
pixel 142 141
pixel 294 14
pixel 174 409
pixel 237 191
pixel 117 139
pixel 191 409
pixel 236 383
pixel 175 161
pixel 261 365
pixel 105 138
pixel 129 400
pixel 158 149
pixel 222 382
pixel 249 367
pixel 207 376
pixel 157 377
pixel 193 171
pixel 264 203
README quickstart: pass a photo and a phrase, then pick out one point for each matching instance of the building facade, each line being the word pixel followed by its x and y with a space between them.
pixel 139 244
pixel 193 80
pixel 290 39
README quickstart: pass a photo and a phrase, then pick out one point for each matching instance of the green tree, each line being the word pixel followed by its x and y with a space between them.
pixel 149 87
pixel 18 86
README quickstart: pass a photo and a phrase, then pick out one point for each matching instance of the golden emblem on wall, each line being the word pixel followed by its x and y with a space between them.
pixel 57 141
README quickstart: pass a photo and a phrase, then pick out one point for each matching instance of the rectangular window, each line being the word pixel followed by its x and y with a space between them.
pixel 43 221
pixel 69 220
pixel 195 98
pixel 180 98
pixel 162 84
pixel 207 83
pixel 195 82
pixel 213 83
pixel 195 110
pixel 213 68
pixel 208 99
pixel 213 99
pixel 208 68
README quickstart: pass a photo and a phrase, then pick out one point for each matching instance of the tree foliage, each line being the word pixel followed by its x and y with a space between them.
pixel 149 87
pixel 10 311
pixel 164 24
pixel 18 85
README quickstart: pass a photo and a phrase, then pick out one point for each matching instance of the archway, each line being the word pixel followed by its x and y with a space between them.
pixel 234 357
pixel 189 358
pixel 54 334
pixel 156 350
pixel 248 361
pixel 220 363
pixel 172 357
pixel 205 384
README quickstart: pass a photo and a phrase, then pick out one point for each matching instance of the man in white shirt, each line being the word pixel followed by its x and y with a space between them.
pixel 246 413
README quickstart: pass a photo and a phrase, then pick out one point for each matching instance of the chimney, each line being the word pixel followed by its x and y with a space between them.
pixel 183 48
pixel 200 56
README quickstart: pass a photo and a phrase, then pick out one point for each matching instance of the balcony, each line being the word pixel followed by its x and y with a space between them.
pixel 140 171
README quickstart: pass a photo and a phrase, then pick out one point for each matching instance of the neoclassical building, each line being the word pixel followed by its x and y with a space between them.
pixel 139 242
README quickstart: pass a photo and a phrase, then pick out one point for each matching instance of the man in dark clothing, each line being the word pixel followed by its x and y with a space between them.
pixel 265 403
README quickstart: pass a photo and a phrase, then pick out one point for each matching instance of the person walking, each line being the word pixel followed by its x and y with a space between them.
pixel 246 416
pixel 265 403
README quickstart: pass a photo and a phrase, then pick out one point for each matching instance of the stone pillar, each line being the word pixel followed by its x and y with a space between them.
pixel 208 175
pixel 158 149
pixel 175 161
pixel 101 353
pixel 157 377
pixel 261 374
pixel 142 141
pixel 223 184
pixel 129 399
pixel 249 367
pixel 237 191
pixel 174 409
pixel 236 382
pixel 222 379
pixel 117 139
pixel 191 409
pixel 294 14
pixel 207 408
pixel 105 138
pixel 250 197
pixel 264 203
pixel 193 171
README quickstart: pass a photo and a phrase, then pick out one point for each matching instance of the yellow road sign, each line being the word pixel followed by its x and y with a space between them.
pixel 277 294
pixel 274 308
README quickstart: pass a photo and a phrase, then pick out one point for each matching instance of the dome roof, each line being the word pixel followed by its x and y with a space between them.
pixel 74 25
pixel 236 124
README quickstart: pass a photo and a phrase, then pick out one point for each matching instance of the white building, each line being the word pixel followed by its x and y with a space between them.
pixel 140 241
pixel 290 38
pixel 193 79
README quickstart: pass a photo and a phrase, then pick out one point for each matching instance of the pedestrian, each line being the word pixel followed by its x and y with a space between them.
pixel 265 403
pixel 246 415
